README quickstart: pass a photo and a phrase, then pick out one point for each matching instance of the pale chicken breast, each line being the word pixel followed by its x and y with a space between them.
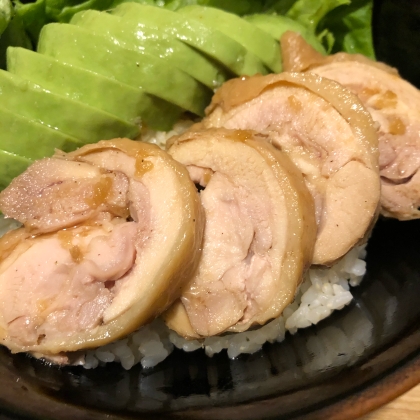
pixel 54 194
pixel 394 105
pixel 327 134
pixel 106 275
pixel 259 234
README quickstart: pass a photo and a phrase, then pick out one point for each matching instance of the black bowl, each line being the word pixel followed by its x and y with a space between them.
pixel 283 381
pixel 376 359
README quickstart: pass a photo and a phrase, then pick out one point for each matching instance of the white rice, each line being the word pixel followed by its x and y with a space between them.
pixel 323 291
pixel 160 137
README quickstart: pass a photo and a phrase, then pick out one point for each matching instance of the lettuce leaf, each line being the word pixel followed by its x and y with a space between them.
pixel 310 13
pixel 6 13
pixel 33 16
pixel 340 25
pixel 239 7
pixel 12 31
pixel 352 29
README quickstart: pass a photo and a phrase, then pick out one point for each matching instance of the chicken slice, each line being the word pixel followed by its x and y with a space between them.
pixel 393 103
pixel 259 233
pixel 90 284
pixel 54 194
pixel 327 134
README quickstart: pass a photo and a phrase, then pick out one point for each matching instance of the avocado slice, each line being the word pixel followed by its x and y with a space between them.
pixel 60 113
pixel 95 90
pixel 63 10
pixel 172 51
pixel 250 36
pixel 30 139
pixel 11 165
pixel 77 46
pixel 209 41
pixel 277 25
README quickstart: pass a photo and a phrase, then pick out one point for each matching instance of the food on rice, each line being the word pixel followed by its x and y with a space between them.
pixel 259 234
pixel 112 234
pixel 117 250
pixel 246 185
pixel 328 135
pixel 394 105
pixel 323 291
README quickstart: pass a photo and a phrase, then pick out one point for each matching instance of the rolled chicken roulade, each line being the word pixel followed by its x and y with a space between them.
pixel 111 232
pixel 327 134
pixel 394 105
pixel 259 233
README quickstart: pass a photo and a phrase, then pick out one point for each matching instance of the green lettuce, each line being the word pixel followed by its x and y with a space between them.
pixel 351 26
pixel 6 13
pixel 12 31
pixel 34 17
pixel 340 25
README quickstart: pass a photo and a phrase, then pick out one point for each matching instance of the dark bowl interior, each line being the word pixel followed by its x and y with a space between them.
pixel 396 25
pixel 352 362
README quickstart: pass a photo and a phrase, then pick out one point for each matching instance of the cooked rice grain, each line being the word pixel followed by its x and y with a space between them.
pixel 323 291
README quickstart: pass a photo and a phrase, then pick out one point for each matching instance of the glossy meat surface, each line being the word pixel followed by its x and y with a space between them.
pixel 394 105
pixel 105 276
pixel 327 134
pixel 259 233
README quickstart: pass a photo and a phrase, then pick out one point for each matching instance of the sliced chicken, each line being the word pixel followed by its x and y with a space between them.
pixel 54 194
pixel 393 103
pixel 106 275
pixel 259 233
pixel 327 134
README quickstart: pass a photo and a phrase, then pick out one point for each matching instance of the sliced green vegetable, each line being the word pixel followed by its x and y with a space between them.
pixel 74 45
pixel 277 25
pixel 83 122
pixel 211 42
pixel 172 51
pixel 30 139
pixel 249 36
pixel 352 33
pixel 63 10
pixel 239 7
pixel 109 95
pixel 11 165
